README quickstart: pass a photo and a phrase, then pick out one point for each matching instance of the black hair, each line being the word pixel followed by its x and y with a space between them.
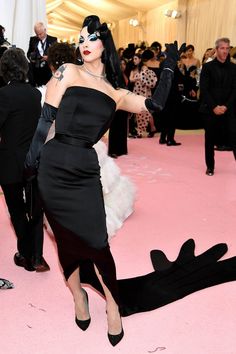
pixel 60 53
pixel 128 53
pixel 190 46
pixel 142 45
pixel 140 65
pixel 156 45
pixel 110 57
pixel 120 50
pixel 14 65
pixel 147 54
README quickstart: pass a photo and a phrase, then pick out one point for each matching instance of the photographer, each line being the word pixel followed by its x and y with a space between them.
pixel 37 54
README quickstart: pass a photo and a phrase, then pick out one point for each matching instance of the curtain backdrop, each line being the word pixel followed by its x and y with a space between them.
pixel 155 26
pixel 201 23
pixel 18 17
pixel 209 20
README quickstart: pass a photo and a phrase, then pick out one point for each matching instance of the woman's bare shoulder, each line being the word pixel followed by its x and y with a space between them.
pixel 61 79
pixel 65 71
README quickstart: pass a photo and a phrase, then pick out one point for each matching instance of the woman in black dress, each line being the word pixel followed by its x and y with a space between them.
pixel 83 99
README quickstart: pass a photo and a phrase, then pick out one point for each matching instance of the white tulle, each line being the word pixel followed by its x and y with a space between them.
pixel 118 190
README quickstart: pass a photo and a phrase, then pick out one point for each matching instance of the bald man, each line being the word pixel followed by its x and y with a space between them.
pixel 37 54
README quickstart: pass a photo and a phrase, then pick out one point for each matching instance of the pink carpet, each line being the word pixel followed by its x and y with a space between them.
pixel 175 201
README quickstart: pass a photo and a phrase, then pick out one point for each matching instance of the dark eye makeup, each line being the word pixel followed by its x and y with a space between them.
pixel 91 37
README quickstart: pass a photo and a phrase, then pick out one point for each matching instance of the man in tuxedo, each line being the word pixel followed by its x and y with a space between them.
pixel 37 54
pixel 20 109
pixel 218 101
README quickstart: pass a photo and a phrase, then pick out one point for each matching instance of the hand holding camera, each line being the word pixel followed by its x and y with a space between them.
pixel 37 59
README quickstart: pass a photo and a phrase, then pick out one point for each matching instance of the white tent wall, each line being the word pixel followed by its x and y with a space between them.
pixel 18 17
pixel 209 20
pixel 155 26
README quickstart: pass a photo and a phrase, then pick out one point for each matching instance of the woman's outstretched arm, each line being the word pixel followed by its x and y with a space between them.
pixel 138 104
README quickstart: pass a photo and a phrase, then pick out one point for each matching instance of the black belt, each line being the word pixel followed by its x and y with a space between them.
pixel 71 140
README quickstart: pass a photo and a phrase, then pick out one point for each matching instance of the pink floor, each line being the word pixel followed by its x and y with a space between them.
pixel 175 201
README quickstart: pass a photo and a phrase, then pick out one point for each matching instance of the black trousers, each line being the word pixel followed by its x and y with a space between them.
pixel 29 233
pixel 168 118
pixel 216 129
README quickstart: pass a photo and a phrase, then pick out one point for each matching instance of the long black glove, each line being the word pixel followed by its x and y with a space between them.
pixel 171 281
pixel 47 117
pixel 157 102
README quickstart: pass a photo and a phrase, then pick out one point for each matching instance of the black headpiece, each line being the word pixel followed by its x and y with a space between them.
pixel 94 25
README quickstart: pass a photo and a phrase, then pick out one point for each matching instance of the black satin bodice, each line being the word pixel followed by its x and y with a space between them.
pixel 85 113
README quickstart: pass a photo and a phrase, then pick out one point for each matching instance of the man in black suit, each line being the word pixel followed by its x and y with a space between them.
pixel 218 100
pixel 20 108
pixel 37 54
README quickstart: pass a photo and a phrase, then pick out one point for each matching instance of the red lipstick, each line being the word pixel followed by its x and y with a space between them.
pixel 86 52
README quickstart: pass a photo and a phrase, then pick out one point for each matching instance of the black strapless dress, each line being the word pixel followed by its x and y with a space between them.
pixel 69 182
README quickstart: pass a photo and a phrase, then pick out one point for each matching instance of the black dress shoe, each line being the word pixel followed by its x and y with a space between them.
pixel 162 141
pixel 209 172
pixel 151 134
pixel 172 143
pixel 115 338
pixel 83 324
pixel 21 261
pixel 40 265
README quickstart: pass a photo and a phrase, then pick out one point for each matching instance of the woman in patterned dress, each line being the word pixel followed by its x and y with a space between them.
pixel 144 80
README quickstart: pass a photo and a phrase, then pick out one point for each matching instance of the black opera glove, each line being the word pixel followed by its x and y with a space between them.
pixel 46 119
pixel 157 102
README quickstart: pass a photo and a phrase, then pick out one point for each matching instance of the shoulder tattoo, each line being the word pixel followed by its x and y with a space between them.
pixel 59 73
pixel 130 93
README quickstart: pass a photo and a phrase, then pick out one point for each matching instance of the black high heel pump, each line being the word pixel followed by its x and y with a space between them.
pixel 115 338
pixel 80 323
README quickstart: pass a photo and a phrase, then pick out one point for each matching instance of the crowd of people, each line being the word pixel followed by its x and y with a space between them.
pixel 87 91
pixel 183 104
pixel 196 89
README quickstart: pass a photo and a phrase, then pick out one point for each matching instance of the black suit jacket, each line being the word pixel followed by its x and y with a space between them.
pixel 33 44
pixel 20 108
pixel 39 75
pixel 218 86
